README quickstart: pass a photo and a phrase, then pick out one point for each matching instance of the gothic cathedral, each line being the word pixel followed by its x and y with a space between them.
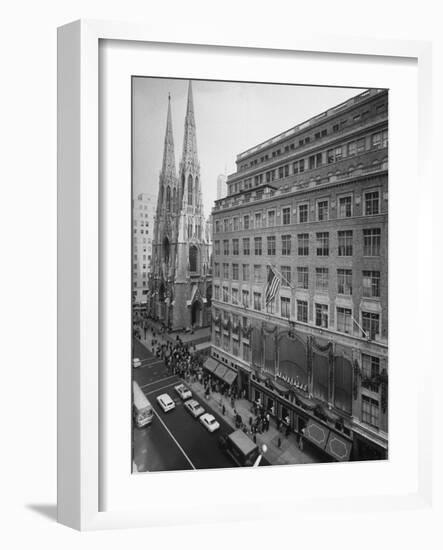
pixel 180 278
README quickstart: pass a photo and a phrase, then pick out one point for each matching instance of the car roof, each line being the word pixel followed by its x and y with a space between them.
pixel 242 441
pixel 164 396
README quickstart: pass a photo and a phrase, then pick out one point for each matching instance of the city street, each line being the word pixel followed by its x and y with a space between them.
pixel 174 440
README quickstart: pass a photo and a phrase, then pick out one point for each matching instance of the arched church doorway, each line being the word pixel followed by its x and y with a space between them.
pixel 196 314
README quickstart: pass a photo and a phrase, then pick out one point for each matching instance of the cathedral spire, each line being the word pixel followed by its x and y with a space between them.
pixel 168 167
pixel 190 106
pixel 190 140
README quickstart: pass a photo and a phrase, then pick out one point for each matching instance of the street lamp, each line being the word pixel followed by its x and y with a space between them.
pixel 264 448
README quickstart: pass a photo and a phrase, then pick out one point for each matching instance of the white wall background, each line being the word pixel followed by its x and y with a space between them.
pixel 28 274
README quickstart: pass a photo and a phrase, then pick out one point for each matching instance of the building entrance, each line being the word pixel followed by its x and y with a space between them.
pixel 196 314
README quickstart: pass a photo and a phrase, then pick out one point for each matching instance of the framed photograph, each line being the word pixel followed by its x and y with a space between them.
pixel 232 276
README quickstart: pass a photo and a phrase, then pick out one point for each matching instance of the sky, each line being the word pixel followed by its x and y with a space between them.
pixel 230 118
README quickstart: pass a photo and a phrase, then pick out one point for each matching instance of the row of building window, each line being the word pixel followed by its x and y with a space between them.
pixel 370 278
pixel 371 244
pixel 371 207
pixel 141 216
pixel 320 133
pixel 143 247
pixel 376 141
pixel 369 326
pixel 194 230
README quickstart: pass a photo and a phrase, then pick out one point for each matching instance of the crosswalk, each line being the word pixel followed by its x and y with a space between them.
pixel 161 380
pixel 150 362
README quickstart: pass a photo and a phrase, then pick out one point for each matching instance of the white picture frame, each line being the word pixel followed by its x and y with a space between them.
pixel 80 362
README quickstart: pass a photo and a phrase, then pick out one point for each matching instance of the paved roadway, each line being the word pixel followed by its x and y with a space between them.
pixel 174 440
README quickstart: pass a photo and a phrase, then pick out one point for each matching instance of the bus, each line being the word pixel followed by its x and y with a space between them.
pixel 143 413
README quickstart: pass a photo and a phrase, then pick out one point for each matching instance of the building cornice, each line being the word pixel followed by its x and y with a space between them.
pixel 305 150
pixel 313 122
pixel 305 190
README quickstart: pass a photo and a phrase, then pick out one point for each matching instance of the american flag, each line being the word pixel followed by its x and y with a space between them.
pixel 272 285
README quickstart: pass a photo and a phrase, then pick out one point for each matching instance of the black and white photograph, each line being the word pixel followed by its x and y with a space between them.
pixel 222 268
pixel 259 274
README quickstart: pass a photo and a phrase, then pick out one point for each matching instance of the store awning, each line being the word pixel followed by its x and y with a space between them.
pixel 317 433
pixel 225 374
pixel 230 377
pixel 220 371
pixel 338 447
pixel 210 364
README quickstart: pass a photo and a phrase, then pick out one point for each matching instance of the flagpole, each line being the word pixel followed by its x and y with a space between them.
pixel 294 288
pixel 268 285
pixel 361 328
pixel 282 276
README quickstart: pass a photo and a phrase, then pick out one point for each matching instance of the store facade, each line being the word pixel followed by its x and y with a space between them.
pixel 314 382
pixel 310 206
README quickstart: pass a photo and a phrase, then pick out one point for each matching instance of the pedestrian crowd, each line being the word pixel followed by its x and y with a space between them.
pixel 182 360
pixel 179 357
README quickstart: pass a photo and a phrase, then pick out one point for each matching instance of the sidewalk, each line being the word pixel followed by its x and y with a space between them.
pixel 288 452
pixel 147 342
pixel 198 337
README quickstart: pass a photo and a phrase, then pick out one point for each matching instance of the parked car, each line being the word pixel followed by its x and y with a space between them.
pixel 194 408
pixel 209 422
pixel 136 363
pixel 165 402
pixel 184 392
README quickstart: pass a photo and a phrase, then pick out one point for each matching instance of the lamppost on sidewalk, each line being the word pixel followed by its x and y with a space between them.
pixel 264 448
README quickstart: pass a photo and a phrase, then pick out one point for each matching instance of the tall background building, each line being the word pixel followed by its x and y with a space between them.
pixel 143 229
pixel 221 186
pixel 180 278
pixel 310 204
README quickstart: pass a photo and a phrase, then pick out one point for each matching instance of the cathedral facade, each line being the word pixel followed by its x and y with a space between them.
pixel 180 281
